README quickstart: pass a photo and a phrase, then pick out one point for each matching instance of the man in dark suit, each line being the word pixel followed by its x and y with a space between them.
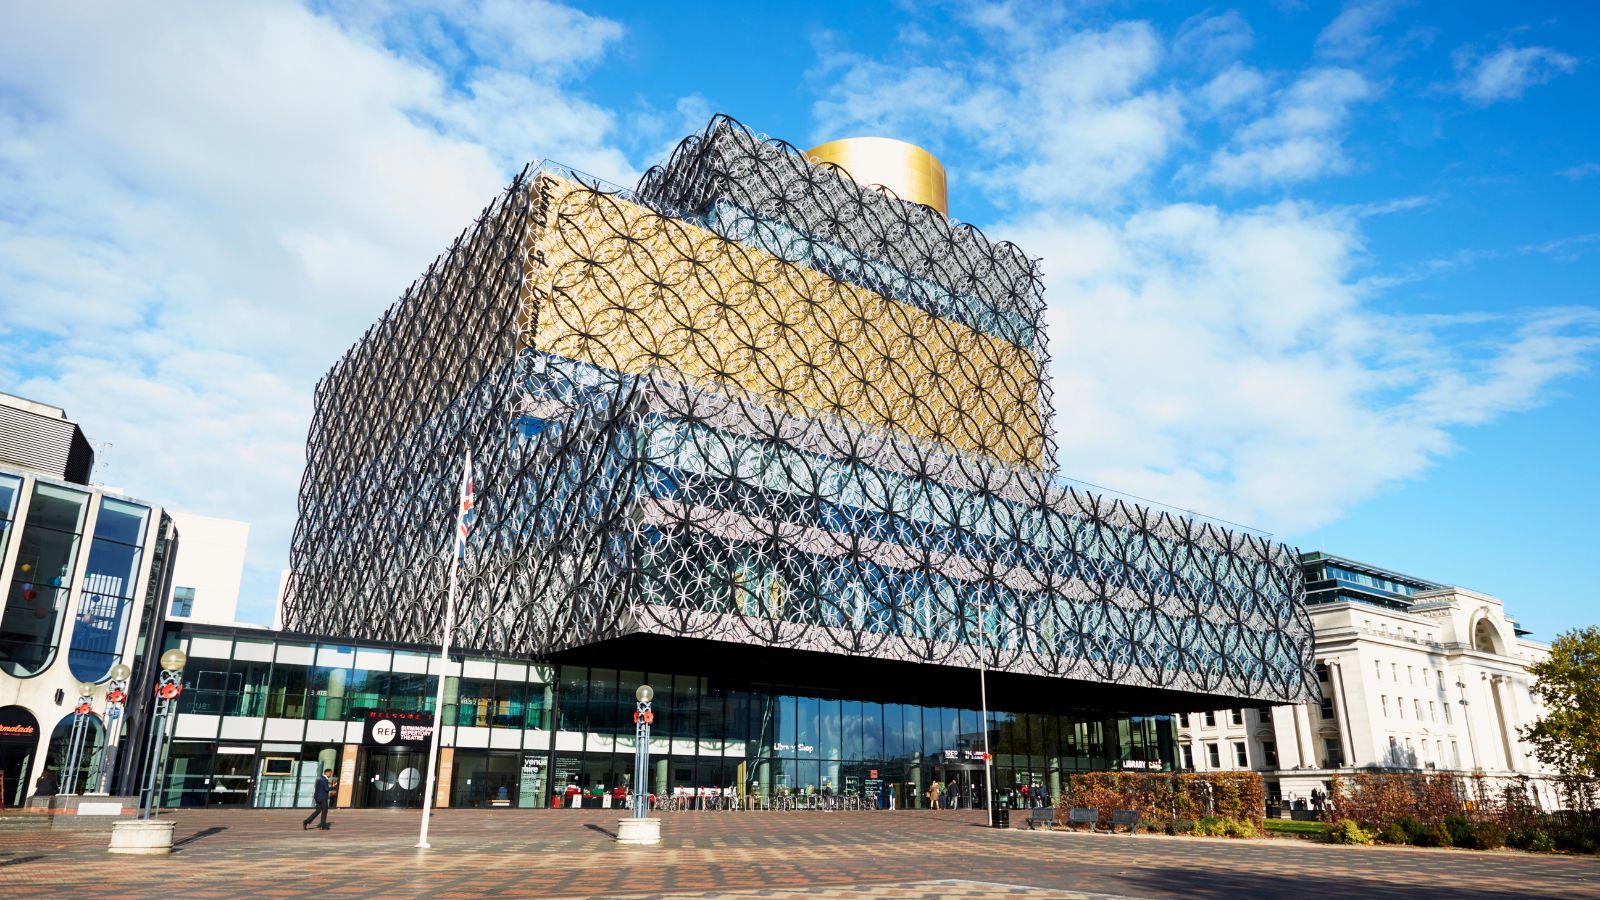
pixel 320 795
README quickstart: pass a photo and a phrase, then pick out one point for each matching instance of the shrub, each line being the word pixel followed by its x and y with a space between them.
pixel 1433 836
pixel 1461 832
pixel 1540 842
pixel 1392 833
pixel 1487 836
pixel 1239 828
pixel 1414 830
pixel 1346 831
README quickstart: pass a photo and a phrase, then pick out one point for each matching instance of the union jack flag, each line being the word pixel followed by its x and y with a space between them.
pixel 468 511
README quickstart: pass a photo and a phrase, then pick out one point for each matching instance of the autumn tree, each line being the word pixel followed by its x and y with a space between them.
pixel 1568 736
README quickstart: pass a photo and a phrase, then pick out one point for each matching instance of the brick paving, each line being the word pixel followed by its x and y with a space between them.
pixel 792 856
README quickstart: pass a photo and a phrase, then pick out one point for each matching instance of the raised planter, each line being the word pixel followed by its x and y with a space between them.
pixel 145 837
pixel 640 832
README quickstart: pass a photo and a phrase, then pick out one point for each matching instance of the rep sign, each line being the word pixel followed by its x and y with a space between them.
pixel 397 730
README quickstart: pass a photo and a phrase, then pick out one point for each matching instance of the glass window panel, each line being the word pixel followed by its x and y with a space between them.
pixel 786 725
pixel 606 715
pixel 41 579
pixel 286 697
pixel 10 489
pixel 110 581
pixel 894 740
pixel 806 726
pixel 121 521
pixel 575 698
pixel 850 726
pixel 713 720
pixel 828 729
pixel 809 776
pixel 872 731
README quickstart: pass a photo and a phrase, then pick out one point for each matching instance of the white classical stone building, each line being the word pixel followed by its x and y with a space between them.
pixel 1414 675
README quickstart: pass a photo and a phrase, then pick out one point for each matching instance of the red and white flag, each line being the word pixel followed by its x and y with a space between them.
pixel 467 512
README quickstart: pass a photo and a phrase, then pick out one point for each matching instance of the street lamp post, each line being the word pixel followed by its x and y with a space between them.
pixel 80 727
pixel 147 834
pixel 116 696
pixel 639 827
pixel 168 687
pixel 642 717
pixel 1466 719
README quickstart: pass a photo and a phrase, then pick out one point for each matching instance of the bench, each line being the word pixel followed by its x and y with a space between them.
pixel 1045 817
pixel 1125 818
pixel 1081 816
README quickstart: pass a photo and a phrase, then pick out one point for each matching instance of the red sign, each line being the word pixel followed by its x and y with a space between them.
pixel 872 773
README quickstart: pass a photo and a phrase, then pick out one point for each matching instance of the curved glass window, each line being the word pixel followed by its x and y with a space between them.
pixel 109 585
pixel 42 579
pixel 10 487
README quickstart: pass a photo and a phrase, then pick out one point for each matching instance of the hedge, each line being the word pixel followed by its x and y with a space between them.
pixel 1165 797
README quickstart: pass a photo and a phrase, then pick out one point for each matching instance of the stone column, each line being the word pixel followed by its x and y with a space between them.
pixel 1304 737
pixel 1341 717
pixel 1505 709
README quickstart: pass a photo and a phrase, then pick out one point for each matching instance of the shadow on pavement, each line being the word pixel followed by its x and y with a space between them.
pixel 608 833
pixel 217 829
pixel 1234 885
pixel 20 860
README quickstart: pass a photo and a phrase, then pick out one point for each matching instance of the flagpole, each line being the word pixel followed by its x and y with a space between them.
pixel 438 704
pixel 464 509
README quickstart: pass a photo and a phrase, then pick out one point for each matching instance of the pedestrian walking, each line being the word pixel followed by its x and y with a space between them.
pixel 320 796
pixel 46 785
pixel 933 794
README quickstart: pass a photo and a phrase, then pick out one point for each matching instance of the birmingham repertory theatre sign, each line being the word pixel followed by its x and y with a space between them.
pixel 752 401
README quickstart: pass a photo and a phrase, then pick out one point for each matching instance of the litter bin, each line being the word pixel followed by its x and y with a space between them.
pixel 1002 816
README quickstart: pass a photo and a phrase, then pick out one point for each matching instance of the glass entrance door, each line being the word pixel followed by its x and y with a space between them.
pixel 964 787
pixel 393 778
pixel 14 764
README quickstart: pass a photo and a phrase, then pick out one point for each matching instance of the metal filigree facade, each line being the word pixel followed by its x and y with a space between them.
pixel 755 402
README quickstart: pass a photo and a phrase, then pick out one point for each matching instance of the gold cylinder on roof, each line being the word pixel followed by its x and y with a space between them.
pixel 911 172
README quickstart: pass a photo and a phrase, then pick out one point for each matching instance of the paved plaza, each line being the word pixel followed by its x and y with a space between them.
pixel 369 854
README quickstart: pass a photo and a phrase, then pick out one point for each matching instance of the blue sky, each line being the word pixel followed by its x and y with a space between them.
pixel 1326 269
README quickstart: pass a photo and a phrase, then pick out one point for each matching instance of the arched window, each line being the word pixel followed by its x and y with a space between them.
pixel 19 741
pixel 89 760
pixel 1484 637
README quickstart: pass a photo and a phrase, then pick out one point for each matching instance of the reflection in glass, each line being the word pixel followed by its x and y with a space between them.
pixel 109 584
pixel 42 579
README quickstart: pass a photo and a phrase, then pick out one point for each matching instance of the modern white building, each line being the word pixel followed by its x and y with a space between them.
pixel 206 578
pixel 84 570
pixel 1414 675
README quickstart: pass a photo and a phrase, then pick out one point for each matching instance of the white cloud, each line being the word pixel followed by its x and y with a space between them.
pixel 1351 33
pixel 1580 172
pixel 204 208
pixel 1213 40
pixel 1228 362
pixel 1069 119
pixel 1507 73
pixel 1236 86
pixel 1302 138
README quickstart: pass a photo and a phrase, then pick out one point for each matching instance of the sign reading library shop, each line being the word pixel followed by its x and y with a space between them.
pixel 397 730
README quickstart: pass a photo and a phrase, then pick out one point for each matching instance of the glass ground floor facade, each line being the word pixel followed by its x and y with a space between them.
pixel 262 713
